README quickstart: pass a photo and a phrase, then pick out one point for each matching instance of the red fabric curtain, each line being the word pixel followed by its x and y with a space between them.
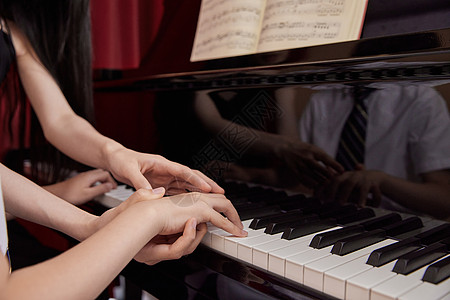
pixel 123 31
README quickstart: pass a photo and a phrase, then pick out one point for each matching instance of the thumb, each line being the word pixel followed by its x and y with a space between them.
pixel 138 181
pixel 142 195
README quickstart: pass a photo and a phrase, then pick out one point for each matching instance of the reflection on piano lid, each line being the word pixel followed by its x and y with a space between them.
pixel 302 247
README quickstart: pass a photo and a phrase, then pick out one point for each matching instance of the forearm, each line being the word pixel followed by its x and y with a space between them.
pixel 67 131
pixel 75 137
pixel 429 197
pixel 85 270
pixel 26 200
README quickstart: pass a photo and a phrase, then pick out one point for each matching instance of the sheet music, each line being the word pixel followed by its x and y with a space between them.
pixel 227 28
pixel 298 23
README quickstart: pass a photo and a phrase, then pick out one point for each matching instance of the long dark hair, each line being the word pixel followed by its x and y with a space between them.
pixel 59 31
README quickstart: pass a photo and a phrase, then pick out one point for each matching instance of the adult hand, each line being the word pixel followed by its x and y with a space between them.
pixel 143 170
pixel 83 187
pixel 310 164
pixel 355 186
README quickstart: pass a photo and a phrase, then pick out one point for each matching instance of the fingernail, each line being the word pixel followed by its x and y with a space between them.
pixel 109 185
pixel 158 190
pixel 244 233
pixel 194 224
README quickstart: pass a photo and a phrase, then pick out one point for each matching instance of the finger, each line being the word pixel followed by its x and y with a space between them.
pixel 345 189
pixel 223 205
pixel 329 161
pixel 142 195
pixel 376 196
pixel 99 175
pixel 334 187
pixel 195 182
pixel 99 189
pixel 185 244
pixel 363 194
pixel 138 181
pixel 218 220
pixel 215 188
pixel 317 170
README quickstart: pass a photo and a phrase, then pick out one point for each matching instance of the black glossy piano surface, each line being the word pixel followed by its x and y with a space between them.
pixel 251 91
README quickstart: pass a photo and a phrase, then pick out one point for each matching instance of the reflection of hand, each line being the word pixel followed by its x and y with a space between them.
pixel 355 186
pixel 312 165
pixel 146 170
pixel 83 187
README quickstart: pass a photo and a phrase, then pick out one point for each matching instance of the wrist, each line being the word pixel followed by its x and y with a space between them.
pixel 109 149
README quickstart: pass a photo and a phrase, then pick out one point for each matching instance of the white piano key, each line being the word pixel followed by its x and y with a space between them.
pixel 334 281
pixel 294 264
pixel 397 285
pixel 429 291
pixel 446 297
pixel 313 273
pixel 261 252
pixel 114 197
pixel 231 243
pixel 358 287
pixel 245 247
pixel 218 236
pixel 277 258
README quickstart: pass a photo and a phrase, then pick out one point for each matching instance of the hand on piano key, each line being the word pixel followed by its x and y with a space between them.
pixel 350 276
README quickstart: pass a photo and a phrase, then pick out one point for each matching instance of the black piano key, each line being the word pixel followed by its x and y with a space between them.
pixel 273 228
pixel 362 240
pixel 261 222
pixel 356 242
pixel 360 214
pixel 328 238
pixel 438 272
pixel 251 213
pixel 306 205
pixel 420 258
pixel 381 221
pixel 308 228
pixel 391 252
pixel 406 225
pixel 337 211
pixel 434 235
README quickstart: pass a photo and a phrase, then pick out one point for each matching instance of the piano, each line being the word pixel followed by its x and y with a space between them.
pixel 298 247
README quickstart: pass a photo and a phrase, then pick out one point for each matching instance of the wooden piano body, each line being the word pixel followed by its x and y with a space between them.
pixel 166 101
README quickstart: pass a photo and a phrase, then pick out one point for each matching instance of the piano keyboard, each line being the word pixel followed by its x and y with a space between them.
pixel 342 251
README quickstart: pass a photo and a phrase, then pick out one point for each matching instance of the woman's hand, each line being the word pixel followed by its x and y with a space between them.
pixel 83 187
pixel 143 170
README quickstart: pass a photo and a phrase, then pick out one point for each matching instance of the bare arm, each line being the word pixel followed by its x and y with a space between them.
pixel 75 137
pixel 125 231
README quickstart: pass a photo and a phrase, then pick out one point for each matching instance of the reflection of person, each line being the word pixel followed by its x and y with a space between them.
pixel 406 149
pixel 140 227
pixel 306 162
